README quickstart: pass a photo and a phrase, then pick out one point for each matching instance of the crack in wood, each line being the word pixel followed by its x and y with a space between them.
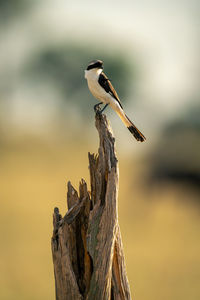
pixel 86 244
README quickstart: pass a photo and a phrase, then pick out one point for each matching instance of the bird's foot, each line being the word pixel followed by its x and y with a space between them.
pixel 97 108
pixel 103 108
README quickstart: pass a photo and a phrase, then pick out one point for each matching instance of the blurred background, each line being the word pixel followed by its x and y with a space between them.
pixel 150 51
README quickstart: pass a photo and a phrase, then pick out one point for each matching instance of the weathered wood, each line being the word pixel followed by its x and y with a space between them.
pixel 86 244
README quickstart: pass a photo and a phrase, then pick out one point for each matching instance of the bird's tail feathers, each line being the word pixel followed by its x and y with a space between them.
pixel 135 132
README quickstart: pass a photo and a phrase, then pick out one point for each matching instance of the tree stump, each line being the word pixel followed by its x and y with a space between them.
pixel 86 244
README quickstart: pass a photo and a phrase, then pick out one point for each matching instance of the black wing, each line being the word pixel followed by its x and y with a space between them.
pixel 107 86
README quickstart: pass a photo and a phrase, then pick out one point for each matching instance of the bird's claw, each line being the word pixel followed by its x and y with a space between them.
pixel 97 108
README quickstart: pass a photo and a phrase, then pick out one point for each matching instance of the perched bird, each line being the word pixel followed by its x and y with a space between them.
pixel 102 89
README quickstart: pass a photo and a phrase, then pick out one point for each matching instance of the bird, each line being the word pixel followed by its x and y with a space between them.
pixel 102 89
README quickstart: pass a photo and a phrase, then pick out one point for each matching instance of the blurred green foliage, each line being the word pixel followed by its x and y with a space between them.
pixel 12 8
pixel 62 67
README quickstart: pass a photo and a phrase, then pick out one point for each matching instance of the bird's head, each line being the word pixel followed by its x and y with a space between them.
pixel 95 66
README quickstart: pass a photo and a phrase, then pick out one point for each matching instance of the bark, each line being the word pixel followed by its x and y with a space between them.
pixel 86 244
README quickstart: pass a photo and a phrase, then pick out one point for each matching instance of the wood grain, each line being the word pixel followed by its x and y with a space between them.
pixel 86 244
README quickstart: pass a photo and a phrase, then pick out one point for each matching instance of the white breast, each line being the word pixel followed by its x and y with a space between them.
pixel 97 91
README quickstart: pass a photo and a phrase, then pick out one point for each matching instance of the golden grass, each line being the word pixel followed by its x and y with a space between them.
pixel 160 227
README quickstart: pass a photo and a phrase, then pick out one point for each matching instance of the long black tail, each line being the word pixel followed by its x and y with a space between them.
pixel 135 132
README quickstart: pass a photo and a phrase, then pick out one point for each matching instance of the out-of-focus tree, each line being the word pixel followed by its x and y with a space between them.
pixel 10 9
pixel 63 67
pixel 176 156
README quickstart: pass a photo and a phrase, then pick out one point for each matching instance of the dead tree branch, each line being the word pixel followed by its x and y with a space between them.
pixel 86 244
